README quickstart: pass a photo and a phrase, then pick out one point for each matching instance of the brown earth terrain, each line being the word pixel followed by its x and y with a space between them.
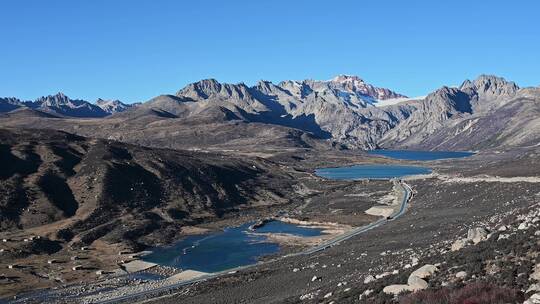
pixel 461 194
pixel 441 212
pixel 70 201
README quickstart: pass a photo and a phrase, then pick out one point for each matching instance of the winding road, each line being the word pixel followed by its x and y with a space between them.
pixel 407 196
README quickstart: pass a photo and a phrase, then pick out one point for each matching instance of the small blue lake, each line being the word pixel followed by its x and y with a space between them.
pixel 371 171
pixel 420 155
pixel 230 248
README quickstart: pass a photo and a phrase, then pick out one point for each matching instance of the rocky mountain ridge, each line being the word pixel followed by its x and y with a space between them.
pixel 345 112
pixel 488 112
pixel 62 105
pixel 343 108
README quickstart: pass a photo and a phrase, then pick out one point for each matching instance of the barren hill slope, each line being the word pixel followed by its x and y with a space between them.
pixel 74 188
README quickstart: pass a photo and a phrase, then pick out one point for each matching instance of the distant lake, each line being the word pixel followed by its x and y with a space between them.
pixel 230 248
pixel 420 155
pixel 371 171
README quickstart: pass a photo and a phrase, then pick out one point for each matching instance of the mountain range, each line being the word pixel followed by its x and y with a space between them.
pixel 62 106
pixel 344 112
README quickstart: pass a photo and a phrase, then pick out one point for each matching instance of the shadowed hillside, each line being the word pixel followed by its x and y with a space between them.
pixel 77 189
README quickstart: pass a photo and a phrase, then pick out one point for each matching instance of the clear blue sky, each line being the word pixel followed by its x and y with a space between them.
pixel 133 50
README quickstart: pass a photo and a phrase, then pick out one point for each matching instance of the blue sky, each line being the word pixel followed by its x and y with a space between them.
pixel 134 50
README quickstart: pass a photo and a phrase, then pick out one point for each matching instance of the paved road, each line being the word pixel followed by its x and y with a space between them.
pixel 407 195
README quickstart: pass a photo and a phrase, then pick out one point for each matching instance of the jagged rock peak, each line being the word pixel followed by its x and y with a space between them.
pixel 63 105
pixel 340 85
pixel 491 86
pixel 208 88
pixel 266 87
pixel 448 100
pixel 357 85
pixel 101 101
pixel 112 106
pixel 444 91
pixel 57 99
pixel 10 99
pixel 114 102
pixel 264 83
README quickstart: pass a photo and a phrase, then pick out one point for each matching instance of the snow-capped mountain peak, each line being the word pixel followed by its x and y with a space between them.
pixel 342 78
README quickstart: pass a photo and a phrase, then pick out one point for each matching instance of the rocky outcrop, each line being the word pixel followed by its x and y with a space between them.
pixel 425 271
pixel 461 275
pixel 396 289
pixel 459 244
pixel 534 299
pixel 416 281
pixel 476 235
pixel 535 275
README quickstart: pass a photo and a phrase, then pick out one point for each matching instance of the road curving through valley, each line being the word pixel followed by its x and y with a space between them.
pixel 407 196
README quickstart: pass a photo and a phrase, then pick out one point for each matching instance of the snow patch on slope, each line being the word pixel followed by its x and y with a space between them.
pixel 394 101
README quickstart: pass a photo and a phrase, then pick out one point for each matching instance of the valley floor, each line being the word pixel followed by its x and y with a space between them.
pixel 462 194
pixel 435 219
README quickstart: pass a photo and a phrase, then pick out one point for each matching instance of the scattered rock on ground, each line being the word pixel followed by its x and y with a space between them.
pixel 459 244
pixel 369 279
pixel 477 235
pixel 533 287
pixel 461 275
pixel 535 275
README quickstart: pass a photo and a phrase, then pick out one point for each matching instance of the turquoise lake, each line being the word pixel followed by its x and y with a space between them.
pixel 420 155
pixel 371 172
pixel 238 246
pixel 230 248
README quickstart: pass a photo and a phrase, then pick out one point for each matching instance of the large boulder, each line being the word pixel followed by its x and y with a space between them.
pixel 535 275
pixel 534 299
pixel 415 283
pixel 396 289
pixel 425 271
pixel 477 235
pixel 533 287
pixel 461 275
